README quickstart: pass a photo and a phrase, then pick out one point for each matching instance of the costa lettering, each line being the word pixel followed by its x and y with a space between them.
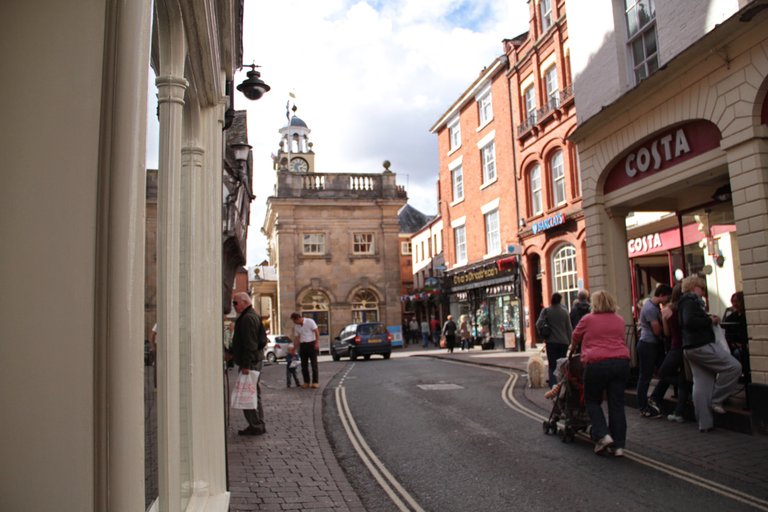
pixel 644 243
pixel 661 150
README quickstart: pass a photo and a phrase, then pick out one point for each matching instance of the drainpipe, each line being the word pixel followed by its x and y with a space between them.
pixel 521 341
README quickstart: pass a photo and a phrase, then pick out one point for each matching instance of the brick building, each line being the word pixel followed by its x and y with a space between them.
pixel 548 188
pixel 477 204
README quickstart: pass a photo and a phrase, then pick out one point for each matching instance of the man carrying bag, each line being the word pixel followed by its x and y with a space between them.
pixel 248 344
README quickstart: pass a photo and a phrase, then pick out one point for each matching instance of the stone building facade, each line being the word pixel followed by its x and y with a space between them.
pixel 334 241
pixel 685 130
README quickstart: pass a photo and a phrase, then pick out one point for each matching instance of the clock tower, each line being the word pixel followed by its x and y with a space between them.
pixel 295 153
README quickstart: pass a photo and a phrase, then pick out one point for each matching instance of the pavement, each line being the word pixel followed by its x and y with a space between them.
pixel 292 466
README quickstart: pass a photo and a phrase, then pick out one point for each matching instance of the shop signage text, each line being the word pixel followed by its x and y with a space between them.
pixel 474 276
pixel 664 150
pixel 549 223
pixel 667 147
pixel 644 243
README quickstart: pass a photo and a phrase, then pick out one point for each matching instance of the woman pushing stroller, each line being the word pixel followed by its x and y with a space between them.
pixel 599 336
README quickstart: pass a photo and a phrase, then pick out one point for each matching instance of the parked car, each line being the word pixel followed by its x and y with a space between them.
pixel 277 348
pixel 364 340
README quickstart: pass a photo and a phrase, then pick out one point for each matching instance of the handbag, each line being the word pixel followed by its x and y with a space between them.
pixel 246 393
pixel 544 329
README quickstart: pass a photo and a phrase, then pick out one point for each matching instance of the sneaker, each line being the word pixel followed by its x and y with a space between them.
pixel 305 385
pixel 652 405
pixel 315 385
pixel 717 408
pixel 618 452
pixel 650 413
pixel 603 443
pixel 675 417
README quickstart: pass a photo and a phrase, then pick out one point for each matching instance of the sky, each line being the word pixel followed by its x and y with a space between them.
pixel 370 78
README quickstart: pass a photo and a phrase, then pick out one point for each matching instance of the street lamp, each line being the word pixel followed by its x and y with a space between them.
pixel 253 87
pixel 241 149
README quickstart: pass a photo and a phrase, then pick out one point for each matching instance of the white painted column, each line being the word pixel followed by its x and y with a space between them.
pixel 171 91
pixel 119 330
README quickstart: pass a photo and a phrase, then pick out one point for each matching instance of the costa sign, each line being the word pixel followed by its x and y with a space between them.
pixel 662 151
pixel 644 243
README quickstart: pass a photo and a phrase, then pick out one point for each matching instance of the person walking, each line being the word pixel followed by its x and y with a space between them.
pixel 715 371
pixel 413 331
pixel 307 341
pixel 449 331
pixel 464 335
pixel 650 348
pixel 605 357
pixel 580 308
pixel 248 342
pixel 554 327
pixel 424 333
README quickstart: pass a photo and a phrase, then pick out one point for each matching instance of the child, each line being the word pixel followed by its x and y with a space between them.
pixel 292 363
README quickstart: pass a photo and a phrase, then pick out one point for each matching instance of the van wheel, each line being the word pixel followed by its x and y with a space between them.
pixel 367 356
pixel 352 354
pixel 386 355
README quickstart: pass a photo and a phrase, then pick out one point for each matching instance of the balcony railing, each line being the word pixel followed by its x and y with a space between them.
pixel 554 101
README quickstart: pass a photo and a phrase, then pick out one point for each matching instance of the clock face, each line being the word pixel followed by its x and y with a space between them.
pixel 299 165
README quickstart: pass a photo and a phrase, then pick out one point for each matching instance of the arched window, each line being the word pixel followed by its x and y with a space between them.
pixel 365 307
pixel 564 274
pixel 534 178
pixel 558 178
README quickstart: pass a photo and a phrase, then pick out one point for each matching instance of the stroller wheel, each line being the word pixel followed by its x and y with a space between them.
pixel 568 435
pixel 545 426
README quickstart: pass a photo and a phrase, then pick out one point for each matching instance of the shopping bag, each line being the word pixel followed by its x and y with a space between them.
pixel 720 337
pixel 245 395
pixel 443 343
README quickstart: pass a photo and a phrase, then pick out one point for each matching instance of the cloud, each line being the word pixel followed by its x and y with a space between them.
pixel 370 79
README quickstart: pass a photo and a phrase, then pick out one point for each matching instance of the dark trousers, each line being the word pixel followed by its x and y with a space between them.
pixel 647 354
pixel 291 373
pixel 450 342
pixel 308 356
pixel 607 377
pixel 672 372
pixel 555 351
pixel 255 417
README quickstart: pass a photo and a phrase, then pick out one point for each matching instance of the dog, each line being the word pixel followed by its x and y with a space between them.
pixel 536 371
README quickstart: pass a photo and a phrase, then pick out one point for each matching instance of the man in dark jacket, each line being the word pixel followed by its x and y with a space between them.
pixel 248 344
pixel 715 371
pixel 580 308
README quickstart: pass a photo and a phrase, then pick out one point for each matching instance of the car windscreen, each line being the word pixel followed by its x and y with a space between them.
pixel 368 329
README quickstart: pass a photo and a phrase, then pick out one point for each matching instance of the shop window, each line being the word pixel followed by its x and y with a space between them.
pixel 488 156
pixel 314 244
pixel 365 307
pixel 534 180
pixel 558 178
pixel 642 42
pixel 564 274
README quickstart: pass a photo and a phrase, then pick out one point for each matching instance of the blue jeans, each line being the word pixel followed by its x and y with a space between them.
pixel 646 362
pixel 425 339
pixel 555 351
pixel 609 377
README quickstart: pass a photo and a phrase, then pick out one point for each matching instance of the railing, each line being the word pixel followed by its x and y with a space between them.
pixel 555 101
pixel 338 185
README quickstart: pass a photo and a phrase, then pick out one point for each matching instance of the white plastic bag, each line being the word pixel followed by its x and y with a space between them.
pixel 246 394
pixel 720 337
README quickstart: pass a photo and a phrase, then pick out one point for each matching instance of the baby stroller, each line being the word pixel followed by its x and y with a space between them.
pixel 568 415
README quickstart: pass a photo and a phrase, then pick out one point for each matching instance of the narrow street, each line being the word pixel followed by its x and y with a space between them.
pixel 449 438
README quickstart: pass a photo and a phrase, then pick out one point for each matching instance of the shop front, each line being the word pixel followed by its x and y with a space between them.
pixel 697 149
pixel 489 294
